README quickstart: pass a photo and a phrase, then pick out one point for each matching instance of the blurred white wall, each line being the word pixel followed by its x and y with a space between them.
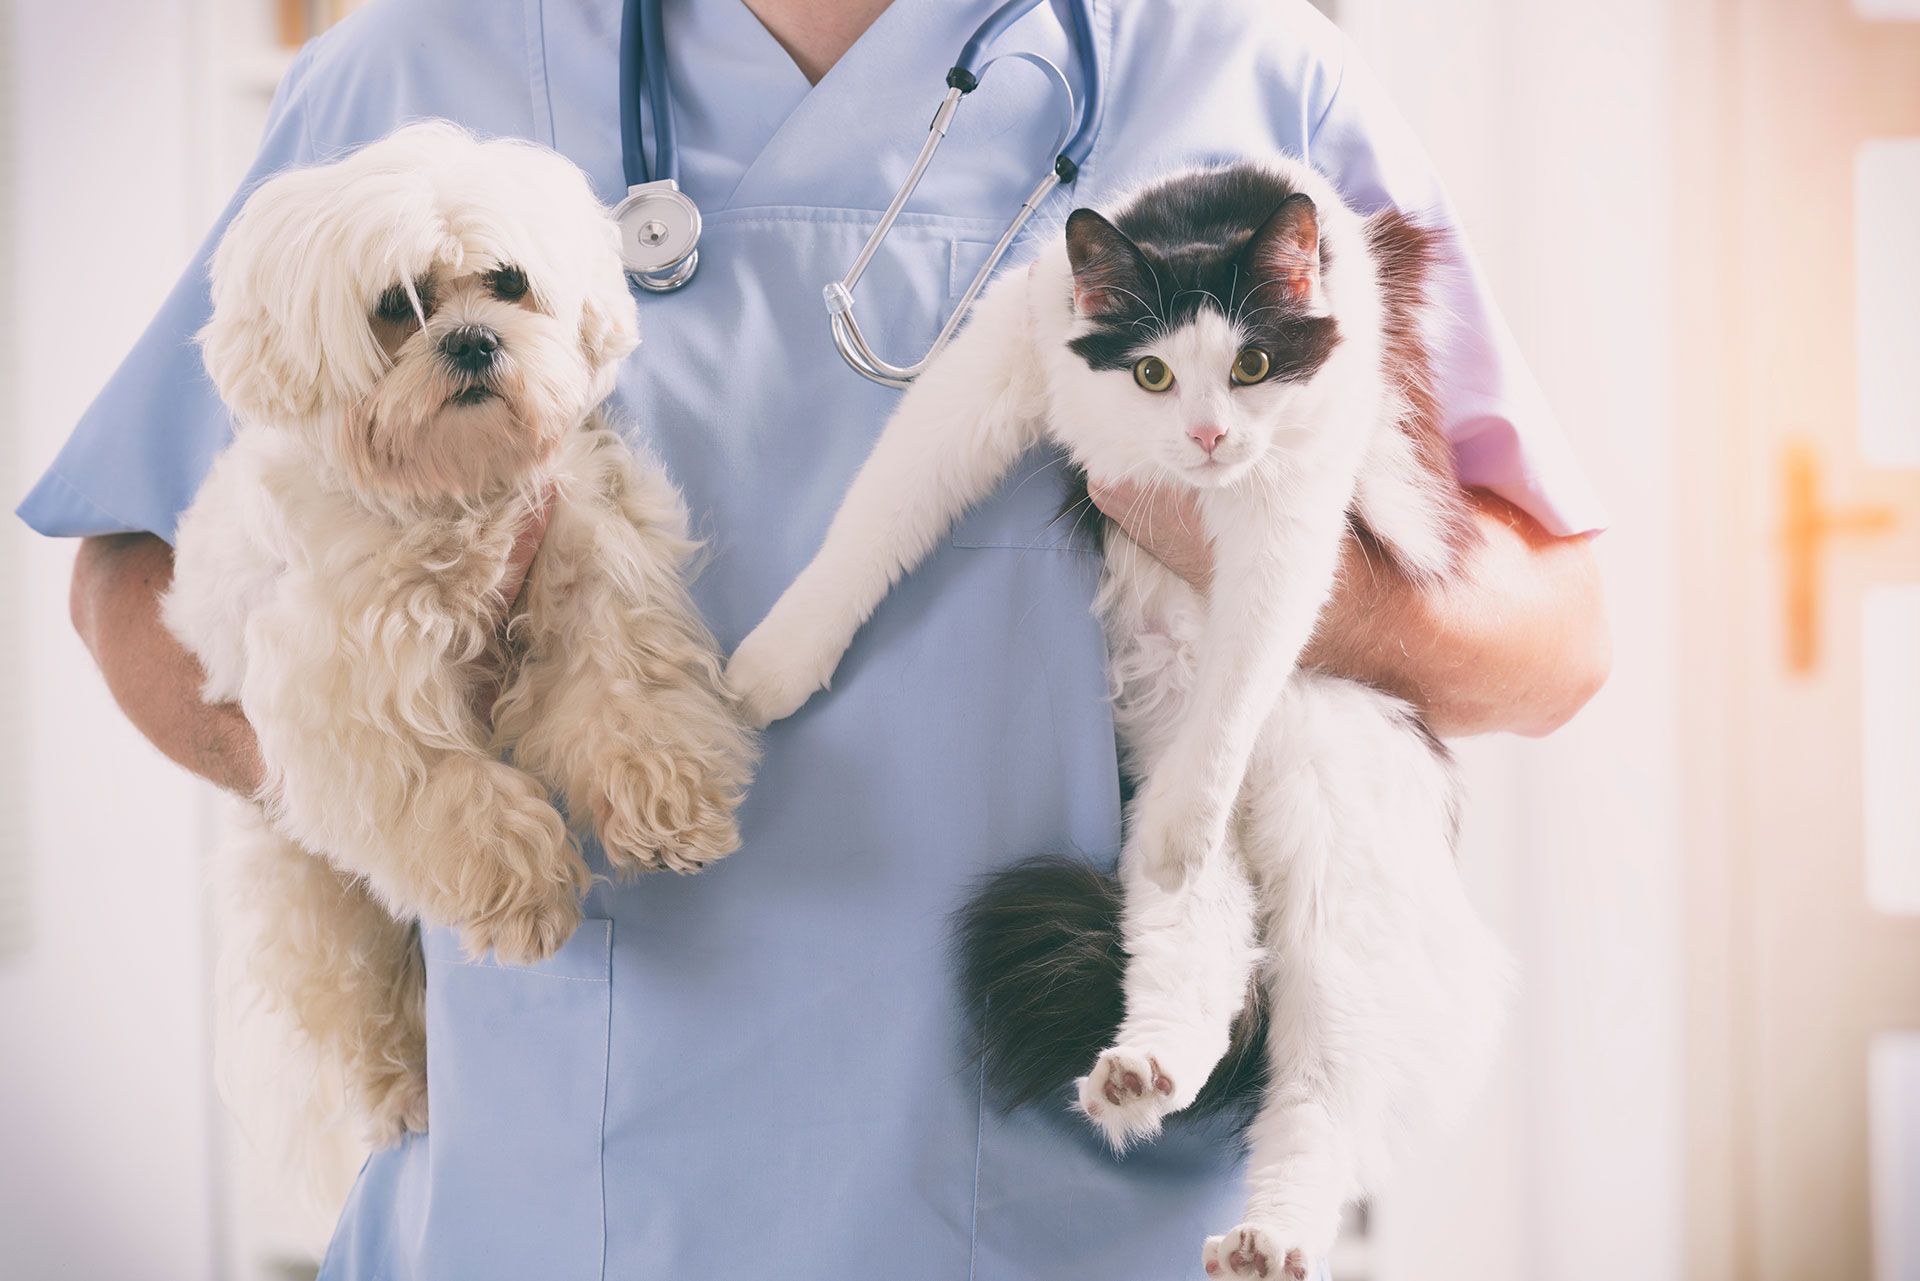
pixel 105 1101
pixel 1551 123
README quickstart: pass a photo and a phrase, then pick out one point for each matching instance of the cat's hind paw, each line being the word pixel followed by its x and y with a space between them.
pixel 1252 1254
pixel 1126 1096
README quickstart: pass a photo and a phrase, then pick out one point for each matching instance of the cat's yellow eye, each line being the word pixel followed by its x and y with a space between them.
pixel 1250 366
pixel 1152 373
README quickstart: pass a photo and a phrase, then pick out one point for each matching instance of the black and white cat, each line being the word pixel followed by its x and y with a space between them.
pixel 1240 333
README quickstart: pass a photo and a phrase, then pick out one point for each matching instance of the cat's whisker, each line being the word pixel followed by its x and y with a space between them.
pixel 1049 465
pixel 1159 290
pixel 1088 502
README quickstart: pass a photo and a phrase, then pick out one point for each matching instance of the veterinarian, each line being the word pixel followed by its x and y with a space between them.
pixel 757 1071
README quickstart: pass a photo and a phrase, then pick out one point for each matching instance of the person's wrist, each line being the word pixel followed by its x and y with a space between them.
pixel 232 757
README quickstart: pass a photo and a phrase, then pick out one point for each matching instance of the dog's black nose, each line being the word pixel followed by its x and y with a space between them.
pixel 470 348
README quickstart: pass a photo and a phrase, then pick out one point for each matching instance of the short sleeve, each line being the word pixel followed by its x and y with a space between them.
pixel 1505 438
pixel 137 456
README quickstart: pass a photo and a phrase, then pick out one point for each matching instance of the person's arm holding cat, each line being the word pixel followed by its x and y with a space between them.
pixel 1518 641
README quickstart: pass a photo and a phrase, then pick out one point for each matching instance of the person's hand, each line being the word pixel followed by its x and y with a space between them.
pixel 1164 521
pixel 1515 640
pixel 513 585
pixel 520 559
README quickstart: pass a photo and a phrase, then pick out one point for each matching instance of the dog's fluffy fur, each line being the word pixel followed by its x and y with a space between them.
pixel 414 341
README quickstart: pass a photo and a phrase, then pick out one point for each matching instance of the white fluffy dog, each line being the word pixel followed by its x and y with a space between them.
pixel 414 341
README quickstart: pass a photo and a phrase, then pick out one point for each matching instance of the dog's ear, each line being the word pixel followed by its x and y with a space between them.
pixel 266 345
pixel 609 323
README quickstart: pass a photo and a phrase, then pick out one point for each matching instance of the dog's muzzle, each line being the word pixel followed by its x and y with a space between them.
pixel 470 349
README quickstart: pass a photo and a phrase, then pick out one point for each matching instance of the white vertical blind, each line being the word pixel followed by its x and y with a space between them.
pixel 1893 1103
pixel 1887 287
pixel 1888 10
pixel 1890 750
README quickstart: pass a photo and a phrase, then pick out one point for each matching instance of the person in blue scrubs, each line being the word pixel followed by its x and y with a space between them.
pixel 760 1071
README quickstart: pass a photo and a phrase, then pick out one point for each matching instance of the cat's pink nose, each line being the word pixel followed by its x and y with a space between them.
pixel 1207 436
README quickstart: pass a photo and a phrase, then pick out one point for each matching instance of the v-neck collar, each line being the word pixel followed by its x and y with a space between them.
pixel 754 133
pixel 734 88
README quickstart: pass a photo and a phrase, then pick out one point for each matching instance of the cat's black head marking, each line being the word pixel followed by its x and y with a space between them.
pixel 1238 240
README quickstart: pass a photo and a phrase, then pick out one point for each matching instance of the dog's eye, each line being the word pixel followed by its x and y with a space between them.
pixel 394 306
pixel 509 284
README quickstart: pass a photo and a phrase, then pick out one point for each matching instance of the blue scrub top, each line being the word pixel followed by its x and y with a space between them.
pixel 761 1069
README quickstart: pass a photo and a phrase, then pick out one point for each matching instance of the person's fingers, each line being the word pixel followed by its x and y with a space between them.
pixel 513 584
pixel 525 548
pixel 1164 521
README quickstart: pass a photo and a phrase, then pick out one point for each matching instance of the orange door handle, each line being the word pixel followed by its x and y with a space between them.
pixel 1807 525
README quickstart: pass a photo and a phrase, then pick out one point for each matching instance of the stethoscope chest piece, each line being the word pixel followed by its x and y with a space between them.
pixel 659 234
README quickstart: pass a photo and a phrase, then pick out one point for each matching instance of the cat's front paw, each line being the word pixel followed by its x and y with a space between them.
pixel 1251 1253
pixel 1127 1095
pixel 654 812
pixel 776 669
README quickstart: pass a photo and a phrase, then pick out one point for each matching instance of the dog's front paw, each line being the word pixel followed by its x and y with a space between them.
pixel 521 891
pixel 776 669
pixel 1126 1096
pixel 527 929
pixel 1250 1253
pixel 655 813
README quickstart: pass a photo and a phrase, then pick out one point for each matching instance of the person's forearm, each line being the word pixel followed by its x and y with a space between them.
pixel 1517 641
pixel 117 585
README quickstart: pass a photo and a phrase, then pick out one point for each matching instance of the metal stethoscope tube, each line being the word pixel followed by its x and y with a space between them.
pixel 1076 142
pixel 660 225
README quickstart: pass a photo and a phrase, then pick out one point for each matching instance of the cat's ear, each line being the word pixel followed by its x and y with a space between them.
pixel 1109 274
pixel 1286 251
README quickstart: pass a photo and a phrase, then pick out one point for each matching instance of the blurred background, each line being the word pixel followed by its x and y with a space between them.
pixel 1702 218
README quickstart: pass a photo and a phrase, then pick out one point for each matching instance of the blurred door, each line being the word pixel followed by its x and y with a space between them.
pixel 1820 130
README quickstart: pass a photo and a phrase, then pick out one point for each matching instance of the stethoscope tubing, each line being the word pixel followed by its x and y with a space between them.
pixel 971 65
pixel 643 47
pixel 1073 147
pixel 643 53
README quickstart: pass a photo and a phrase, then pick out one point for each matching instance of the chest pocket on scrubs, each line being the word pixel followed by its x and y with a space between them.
pixel 1024 514
pixel 516 1117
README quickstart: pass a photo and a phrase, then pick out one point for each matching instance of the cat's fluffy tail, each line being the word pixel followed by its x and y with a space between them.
pixel 1041 960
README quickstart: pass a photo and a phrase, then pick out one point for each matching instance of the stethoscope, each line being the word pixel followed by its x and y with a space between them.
pixel 660 224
